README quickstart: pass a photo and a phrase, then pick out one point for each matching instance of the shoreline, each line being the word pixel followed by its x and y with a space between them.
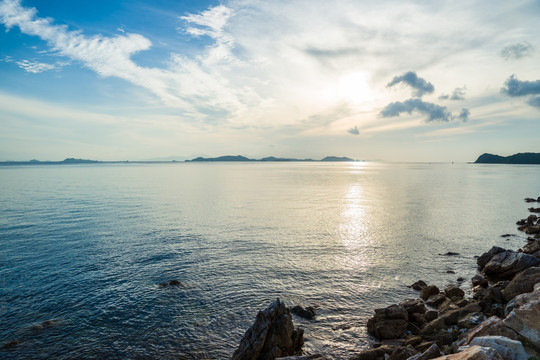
pixel 500 321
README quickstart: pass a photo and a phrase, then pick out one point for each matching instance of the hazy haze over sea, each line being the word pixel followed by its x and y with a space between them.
pixel 87 246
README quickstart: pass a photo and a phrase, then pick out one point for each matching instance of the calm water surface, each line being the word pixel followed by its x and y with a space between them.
pixel 85 248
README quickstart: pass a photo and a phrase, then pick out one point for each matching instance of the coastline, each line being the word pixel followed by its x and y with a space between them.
pixel 500 321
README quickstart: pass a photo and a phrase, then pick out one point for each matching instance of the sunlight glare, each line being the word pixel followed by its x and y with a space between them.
pixel 355 87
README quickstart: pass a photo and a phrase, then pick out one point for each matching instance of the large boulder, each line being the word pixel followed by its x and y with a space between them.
pixel 271 336
pixel 486 257
pixel 525 317
pixel 474 353
pixel 389 323
pixel 522 283
pixel 454 292
pixel 428 291
pixel 509 349
pixel 508 263
pixel 491 327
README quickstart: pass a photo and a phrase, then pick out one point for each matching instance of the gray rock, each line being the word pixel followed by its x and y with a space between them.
pixel 271 336
pixel 508 263
pixel 507 348
pixel 472 320
pixel 431 353
pixel 486 257
pixel 522 283
pixel 453 291
pixel 525 317
pixel 428 291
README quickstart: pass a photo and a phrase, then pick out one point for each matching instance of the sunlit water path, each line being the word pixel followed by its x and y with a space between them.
pixel 86 247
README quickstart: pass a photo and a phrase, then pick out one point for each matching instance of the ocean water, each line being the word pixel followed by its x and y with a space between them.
pixel 83 249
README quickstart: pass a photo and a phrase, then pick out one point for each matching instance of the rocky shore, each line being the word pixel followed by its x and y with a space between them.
pixel 500 321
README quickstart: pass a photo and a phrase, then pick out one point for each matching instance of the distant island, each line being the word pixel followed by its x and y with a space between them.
pixel 68 161
pixel 227 158
pixel 270 158
pixel 520 158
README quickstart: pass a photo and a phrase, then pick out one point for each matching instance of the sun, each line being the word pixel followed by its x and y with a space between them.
pixel 354 87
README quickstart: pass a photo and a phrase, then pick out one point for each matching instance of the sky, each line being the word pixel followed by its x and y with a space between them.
pixel 390 80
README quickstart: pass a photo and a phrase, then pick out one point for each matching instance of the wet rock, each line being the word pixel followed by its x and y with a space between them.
pixel 450 272
pixel 271 336
pixel 403 353
pixel 431 353
pixel 509 349
pixel 428 291
pixel 436 300
pixel 374 354
pixel 307 313
pixel 305 357
pixel 529 200
pixel 413 306
pixel 389 323
pixel 173 282
pixel 450 253
pixel 474 353
pixel 508 263
pixel 522 283
pixel 535 210
pixel 12 344
pixel 525 317
pixel 460 279
pixel 454 291
pixel 462 302
pixel 419 285
pixel 532 229
pixel 492 327
pixel 486 257
pixel 532 247
pixel 431 315
pixel 471 320
pixel 46 324
pixel 507 235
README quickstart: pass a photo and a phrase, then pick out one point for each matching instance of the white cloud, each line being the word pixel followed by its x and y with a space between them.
pixel 34 67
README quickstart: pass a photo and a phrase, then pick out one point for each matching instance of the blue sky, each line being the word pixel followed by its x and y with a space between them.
pixel 387 80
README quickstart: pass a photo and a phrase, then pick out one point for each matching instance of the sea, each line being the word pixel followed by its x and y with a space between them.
pixel 84 249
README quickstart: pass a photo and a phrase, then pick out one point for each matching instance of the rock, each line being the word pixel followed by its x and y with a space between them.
pixel 428 291
pixel 525 317
pixel 12 343
pixel 533 209
pixel 486 257
pixel 495 295
pixel 462 302
pixel 478 280
pixel 403 353
pixel 431 353
pixel 454 291
pixel 471 320
pixel 522 283
pixel 305 357
pixel 433 327
pixel 507 348
pixel 452 317
pixel 532 229
pixel 450 272
pixel 173 282
pixel 492 326
pixel 532 247
pixel 507 235
pixel 431 315
pixel 474 353
pixel 271 336
pixel 413 306
pixel 460 279
pixel 393 312
pixel 307 313
pixel 413 340
pixel 530 200
pixel 418 319
pixel 450 253
pixel 419 285
pixel 374 354
pixel 436 300
pixel 508 263
pixel 389 323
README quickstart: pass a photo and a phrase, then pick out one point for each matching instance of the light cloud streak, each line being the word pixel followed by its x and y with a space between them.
pixel 517 51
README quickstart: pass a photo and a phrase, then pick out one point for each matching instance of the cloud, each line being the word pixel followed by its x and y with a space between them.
pixel 514 87
pixel 410 78
pixel 354 131
pixel 534 101
pixel 194 85
pixel 457 94
pixel 34 67
pixel 434 112
pixel 517 51
pixel 464 115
